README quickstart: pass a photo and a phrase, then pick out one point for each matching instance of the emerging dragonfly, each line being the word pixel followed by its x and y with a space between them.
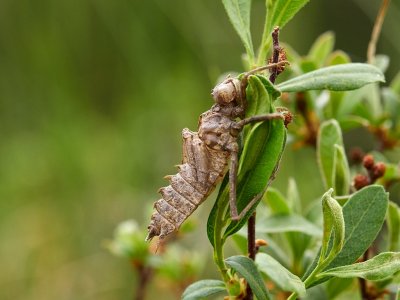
pixel 206 154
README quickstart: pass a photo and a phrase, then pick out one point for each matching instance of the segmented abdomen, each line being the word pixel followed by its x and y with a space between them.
pixel 199 173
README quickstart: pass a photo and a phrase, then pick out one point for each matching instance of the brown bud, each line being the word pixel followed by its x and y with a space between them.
pixel 378 170
pixel 287 116
pixel 356 155
pixel 360 181
pixel 368 162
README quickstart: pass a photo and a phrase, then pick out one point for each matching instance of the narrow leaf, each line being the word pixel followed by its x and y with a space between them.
pixel 333 225
pixel 239 14
pixel 282 11
pixel 393 221
pixel 322 47
pixel 336 78
pixel 282 277
pixel 276 202
pixel 270 87
pixel 329 135
pixel 293 195
pixel 202 289
pixel 395 84
pixel 379 267
pixel 341 174
pixel 246 267
pixel 338 57
pixel 288 223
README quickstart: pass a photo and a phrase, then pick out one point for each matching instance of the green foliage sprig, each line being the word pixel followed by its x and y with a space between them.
pixel 329 96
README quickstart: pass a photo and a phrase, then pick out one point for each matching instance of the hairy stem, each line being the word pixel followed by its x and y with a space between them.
pixel 376 31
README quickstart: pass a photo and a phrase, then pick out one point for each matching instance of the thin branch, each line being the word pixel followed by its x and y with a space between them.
pixel 362 282
pixel 275 55
pixel 251 248
pixel 376 31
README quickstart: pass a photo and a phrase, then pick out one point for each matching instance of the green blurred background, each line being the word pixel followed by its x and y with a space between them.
pixel 93 97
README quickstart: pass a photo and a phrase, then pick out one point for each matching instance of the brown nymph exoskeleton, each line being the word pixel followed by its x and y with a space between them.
pixel 206 155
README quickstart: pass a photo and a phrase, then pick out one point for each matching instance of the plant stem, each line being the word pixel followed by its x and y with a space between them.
pixel 251 248
pixel 275 55
pixel 377 30
pixel 362 282
pixel 293 296
pixel 219 255
pixel 251 235
pixel 145 274
pixel 219 241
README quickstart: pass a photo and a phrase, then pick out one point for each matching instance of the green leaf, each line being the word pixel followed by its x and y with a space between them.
pixel 271 88
pixel 351 122
pixel 334 228
pixel 395 84
pixel 202 289
pixel 393 222
pixel 282 11
pixel 278 13
pixel 321 48
pixel 336 78
pixel 246 267
pixel 329 135
pixel 288 223
pixel 341 172
pixel 363 215
pixel 258 98
pixel 293 196
pixel 379 267
pixel 338 57
pixel 239 14
pixel 282 277
pixel 276 202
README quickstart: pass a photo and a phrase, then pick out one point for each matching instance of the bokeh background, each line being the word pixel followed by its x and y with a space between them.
pixel 93 97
